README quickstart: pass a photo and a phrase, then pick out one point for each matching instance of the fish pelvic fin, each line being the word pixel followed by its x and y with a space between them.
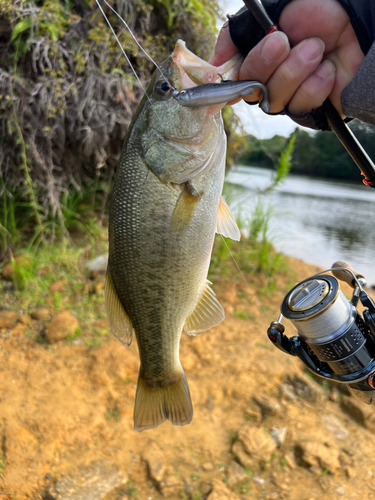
pixel 157 401
pixel 226 223
pixel 119 321
pixel 207 313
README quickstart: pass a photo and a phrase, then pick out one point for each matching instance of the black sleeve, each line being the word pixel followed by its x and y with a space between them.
pixel 246 33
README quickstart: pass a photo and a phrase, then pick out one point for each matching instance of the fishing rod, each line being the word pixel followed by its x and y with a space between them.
pixel 342 131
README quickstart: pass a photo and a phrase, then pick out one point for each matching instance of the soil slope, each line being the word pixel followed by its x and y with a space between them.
pixel 261 429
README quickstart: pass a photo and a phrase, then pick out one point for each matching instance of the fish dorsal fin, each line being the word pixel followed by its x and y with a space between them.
pixel 119 321
pixel 226 224
pixel 207 313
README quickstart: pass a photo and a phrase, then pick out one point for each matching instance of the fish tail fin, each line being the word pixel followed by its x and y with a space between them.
pixel 156 401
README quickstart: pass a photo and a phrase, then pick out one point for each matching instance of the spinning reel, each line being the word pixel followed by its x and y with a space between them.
pixel 334 341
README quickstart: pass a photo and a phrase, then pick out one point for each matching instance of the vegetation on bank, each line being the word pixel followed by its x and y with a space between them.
pixel 67 96
pixel 320 154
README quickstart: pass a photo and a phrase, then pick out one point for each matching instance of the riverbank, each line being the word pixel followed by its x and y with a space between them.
pixel 262 427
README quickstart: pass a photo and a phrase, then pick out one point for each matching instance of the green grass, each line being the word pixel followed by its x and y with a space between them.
pixel 36 269
pixel 23 221
pixel 131 490
pixel 2 464
pixel 113 414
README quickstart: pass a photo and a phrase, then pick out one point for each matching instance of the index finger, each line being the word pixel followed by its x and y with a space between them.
pixel 224 48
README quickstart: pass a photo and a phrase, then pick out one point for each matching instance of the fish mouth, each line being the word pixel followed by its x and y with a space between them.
pixel 195 71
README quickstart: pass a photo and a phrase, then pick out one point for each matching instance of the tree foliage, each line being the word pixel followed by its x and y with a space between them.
pixel 319 154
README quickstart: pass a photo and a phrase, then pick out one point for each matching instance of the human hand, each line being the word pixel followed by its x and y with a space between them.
pixel 324 58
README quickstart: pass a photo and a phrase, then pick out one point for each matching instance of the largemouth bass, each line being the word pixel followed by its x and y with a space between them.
pixel 165 207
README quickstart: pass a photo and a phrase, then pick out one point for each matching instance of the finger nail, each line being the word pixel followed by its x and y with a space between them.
pixel 274 46
pixel 311 49
pixel 326 70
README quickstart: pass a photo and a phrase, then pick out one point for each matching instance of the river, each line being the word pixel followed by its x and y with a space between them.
pixel 316 220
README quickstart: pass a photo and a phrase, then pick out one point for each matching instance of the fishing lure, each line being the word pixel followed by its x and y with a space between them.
pixel 219 93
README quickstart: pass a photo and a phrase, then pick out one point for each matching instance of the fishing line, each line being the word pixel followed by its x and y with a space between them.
pixel 240 271
pixel 133 36
pixel 118 41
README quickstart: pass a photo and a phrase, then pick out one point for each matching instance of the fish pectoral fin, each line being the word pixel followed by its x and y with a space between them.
pixel 207 313
pixel 226 224
pixel 185 206
pixel 119 321
pixel 159 400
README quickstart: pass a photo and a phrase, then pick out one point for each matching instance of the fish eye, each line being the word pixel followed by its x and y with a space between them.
pixel 165 86
pixel 163 89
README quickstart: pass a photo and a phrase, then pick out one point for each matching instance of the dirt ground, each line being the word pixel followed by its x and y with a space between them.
pixel 66 426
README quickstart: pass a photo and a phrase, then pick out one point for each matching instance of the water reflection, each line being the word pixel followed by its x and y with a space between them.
pixel 315 220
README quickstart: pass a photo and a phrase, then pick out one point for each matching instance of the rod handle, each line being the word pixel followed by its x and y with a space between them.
pixel 342 275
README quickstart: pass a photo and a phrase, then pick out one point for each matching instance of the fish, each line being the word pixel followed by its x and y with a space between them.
pixel 165 208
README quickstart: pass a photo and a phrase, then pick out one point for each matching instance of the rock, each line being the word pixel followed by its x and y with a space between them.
pixel 25 319
pixel 41 314
pixel 155 463
pixel 349 472
pixel 287 392
pixel 240 454
pixel 362 413
pixel 267 406
pixel 98 265
pixel 7 272
pixel 334 425
pixel 256 443
pixel 208 466
pixel 61 325
pixel 305 388
pixel 340 491
pixel 279 435
pixel 93 482
pixel 317 454
pixel 19 329
pixel 325 482
pixel 254 414
pixel 290 460
pixel 170 487
pixel 258 480
pixel 236 474
pixel 8 319
pixel 221 492
pixel 57 286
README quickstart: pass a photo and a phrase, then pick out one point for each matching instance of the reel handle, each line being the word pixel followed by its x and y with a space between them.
pixel 342 275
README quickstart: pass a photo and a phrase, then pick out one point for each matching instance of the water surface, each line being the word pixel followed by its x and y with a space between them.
pixel 316 220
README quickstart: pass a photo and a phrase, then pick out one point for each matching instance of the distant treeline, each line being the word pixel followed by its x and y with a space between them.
pixel 320 154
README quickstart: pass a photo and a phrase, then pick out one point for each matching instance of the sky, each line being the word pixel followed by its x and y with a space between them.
pixel 253 119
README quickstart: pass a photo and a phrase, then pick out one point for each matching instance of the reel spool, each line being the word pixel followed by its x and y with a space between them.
pixel 334 341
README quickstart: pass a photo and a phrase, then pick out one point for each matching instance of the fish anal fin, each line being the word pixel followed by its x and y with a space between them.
pixel 207 313
pixel 226 224
pixel 157 401
pixel 185 206
pixel 119 321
